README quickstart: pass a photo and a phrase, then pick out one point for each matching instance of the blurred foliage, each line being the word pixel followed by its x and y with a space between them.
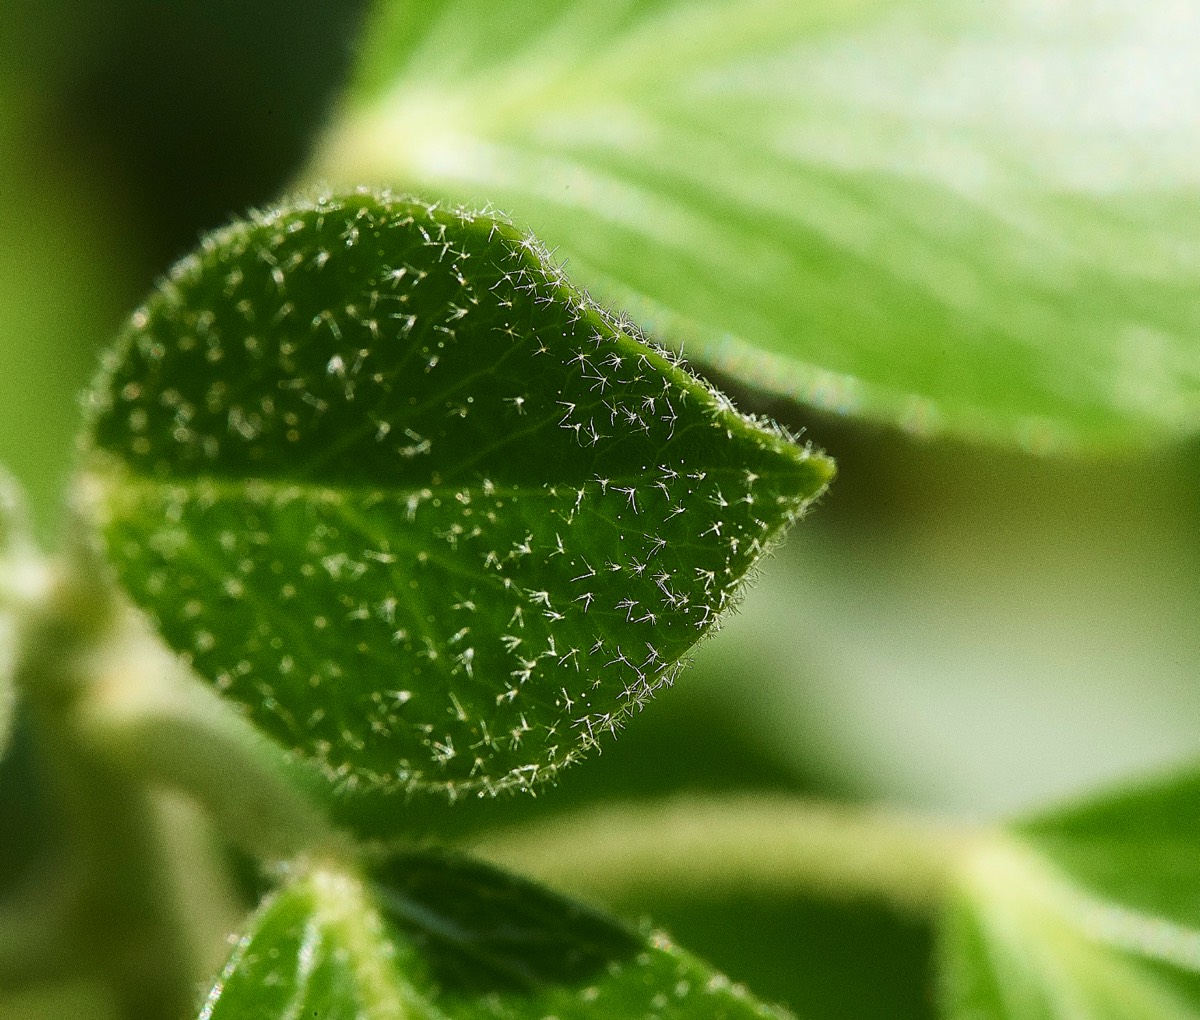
pixel 958 628
pixel 1087 910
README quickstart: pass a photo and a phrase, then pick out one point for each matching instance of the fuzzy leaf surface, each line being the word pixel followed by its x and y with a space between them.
pixel 977 218
pixel 1089 913
pixel 433 517
pixel 438 938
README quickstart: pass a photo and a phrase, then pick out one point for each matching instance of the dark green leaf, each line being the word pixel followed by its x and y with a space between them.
pixel 1090 912
pixel 1139 848
pixel 433 517
pixel 441 938
pixel 972 217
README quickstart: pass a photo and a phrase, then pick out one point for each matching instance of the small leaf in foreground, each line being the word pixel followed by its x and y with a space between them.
pixel 971 217
pixel 1091 912
pixel 441 938
pixel 434 518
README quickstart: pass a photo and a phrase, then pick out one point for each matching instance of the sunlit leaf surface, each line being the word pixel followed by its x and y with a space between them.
pixel 436 938
pixel 973 217
pixel 1089 914
pixel 429 514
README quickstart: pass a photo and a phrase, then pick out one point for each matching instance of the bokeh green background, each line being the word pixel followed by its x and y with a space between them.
pixel 963 630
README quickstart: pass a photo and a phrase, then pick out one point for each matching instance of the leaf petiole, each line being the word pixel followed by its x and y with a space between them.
pixel 708 845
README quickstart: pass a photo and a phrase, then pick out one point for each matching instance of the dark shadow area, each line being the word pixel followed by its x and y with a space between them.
pixel 482 931
pixel 829 960
pixel 197 111
pixel 31 824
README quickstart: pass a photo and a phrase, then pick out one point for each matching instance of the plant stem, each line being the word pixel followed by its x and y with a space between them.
pixel 118 922
pixel 121 922
pixel 713 846
pixel 148 715
pixel 121 722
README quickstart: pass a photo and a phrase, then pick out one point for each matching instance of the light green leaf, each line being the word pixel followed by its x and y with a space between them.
pixel 980 218
pixel 434 518
pixel 1086 914
pixel 440 938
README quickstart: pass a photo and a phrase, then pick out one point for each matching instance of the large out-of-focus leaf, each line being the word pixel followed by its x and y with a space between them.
pixel 1090 913
pixel 433 517
pixel 976 217
pixel 436 938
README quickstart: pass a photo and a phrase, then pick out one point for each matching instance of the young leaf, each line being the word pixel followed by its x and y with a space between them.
pixel 976 217
pixel 1088 912
pixel 433 517
pixel 437 938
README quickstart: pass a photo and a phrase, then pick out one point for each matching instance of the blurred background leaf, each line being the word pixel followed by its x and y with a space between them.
pixel 972 218
pixel 1089 910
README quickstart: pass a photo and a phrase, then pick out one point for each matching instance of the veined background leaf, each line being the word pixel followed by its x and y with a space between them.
pixel 973 217
pixel 430 515
pixel 438 938
pixel 1088 913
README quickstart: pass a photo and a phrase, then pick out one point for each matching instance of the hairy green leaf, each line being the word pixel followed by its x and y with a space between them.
pixel 441 938
pixel 431 515
pixel 972 217
pixel 1090 912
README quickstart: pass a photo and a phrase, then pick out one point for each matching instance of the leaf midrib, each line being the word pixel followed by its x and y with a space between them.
pixel 228 488
pixel 717 32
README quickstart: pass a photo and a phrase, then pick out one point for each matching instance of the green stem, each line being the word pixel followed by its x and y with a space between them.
pixel 118 922
pixel 122 921
pixel 712 846
pixel 122 723
pixel 150 717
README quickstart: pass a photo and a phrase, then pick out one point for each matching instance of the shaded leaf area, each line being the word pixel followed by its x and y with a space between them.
pixel 1138 847
pixel 948 216
pixel 34 828
pixel 440 938
pixel 432 516
pixel 484 931
pixel 1090 912
pixel 820 959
